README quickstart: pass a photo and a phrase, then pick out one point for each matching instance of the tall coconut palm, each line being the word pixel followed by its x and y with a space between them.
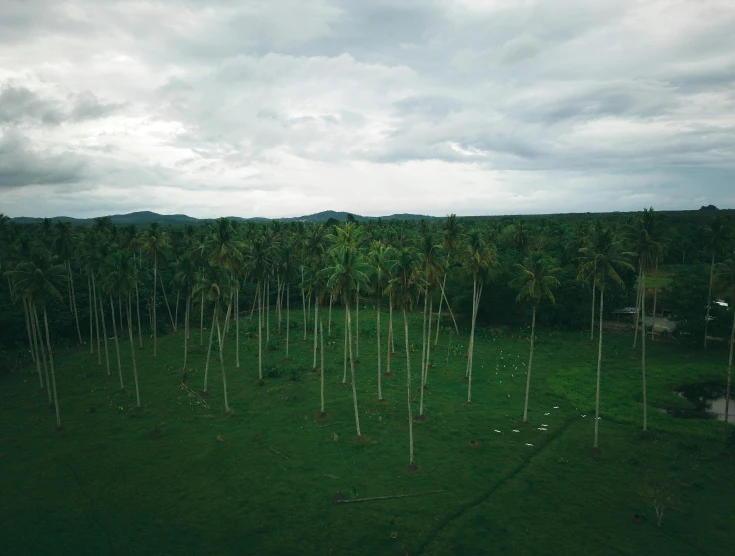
pixel 133 242
pixel 64 248
pixel 258 260
pixel 452 239
pixel 345 273
pixel 724 283
pixel 155 244
pixel 479 258
pixel 535 281
pixel 212 286
pixel 185 278
pixel 41 279
pixel 381 258
pixel 406 285
pixel 718 237
pixel 601 262
pixel 118 282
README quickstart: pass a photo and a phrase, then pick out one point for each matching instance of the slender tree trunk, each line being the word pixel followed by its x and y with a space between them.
pixel 599 368
pixel 439 314
pixel 472 320
pixel 388 343
pixel 329 330
pixel 255 301
pixel 117 345
pixel 155 321
pixel 278 303
pixel 643 355
pixel 321 336
pixel 237 326
pixel 120 313
pixel 357 325
pixel 186 330
pixel 308 315
pixel 729 382
pixel 451 314
pixel 709 298
pixel 33 340
pixel 132 349
pixel 637 306
pixel 91 315
pixel 51 364
pixel 344 375
pixel 530 362
pixel 288 316
pixel 303 305
pixel 377 314
pixel 209 349
pixel 352 369
pixel 97 322
pixel 316 335
pixel 472 344
pixel 104 332
pixel 67 267
pixel 423 338
pixel 408 390
pixel 391 337
pixel 39 334
pixel 168 307
pixel 428 344
pixel 260 334
pixel 201 321
pixel 222 362
pixel 267 314
pixel 137 309
pixel 592 326
pixel 73 301
pixel 28 330
pixel 655 297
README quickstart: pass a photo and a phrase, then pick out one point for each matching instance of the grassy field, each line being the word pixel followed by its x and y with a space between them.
pixel 178 478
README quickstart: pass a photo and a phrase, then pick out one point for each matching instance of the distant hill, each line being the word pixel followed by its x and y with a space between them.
pixel 144 218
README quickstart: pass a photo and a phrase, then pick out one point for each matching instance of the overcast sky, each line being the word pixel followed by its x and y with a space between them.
pixel 289 107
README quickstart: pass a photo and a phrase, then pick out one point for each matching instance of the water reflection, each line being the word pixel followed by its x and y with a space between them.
pixel 708 400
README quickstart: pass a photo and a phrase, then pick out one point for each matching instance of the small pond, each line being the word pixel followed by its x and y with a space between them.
pixel 708 400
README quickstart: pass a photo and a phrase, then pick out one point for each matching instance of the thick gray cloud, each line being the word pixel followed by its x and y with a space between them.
pixel 287 107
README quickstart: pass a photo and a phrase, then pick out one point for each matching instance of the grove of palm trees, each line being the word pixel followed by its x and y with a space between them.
pixel 236 387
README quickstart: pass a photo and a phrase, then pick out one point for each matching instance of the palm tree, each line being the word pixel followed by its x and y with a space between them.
pixel 601 262
pixel 479 259
pixel 381 259
pixel 258 262
pixel 406 286
pixel 431 266
pixel 133 242
pixel 119 273
pixel 719 237
pixel 452 238
pixel 185 277
pixel 155 245
pixel 65 250
pixel 345 273
pixel 212 289
pixel 724 279
pixel 535 281
pixel 40 278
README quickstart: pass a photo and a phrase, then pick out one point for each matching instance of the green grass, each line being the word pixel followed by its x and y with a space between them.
pixel 161 482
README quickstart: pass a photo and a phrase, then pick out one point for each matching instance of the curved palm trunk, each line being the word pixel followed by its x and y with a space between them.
pixel 408 389
pixel 51 364
pixel 43 353
pixel 31 344
pixel 439 314
pixel 428 344
pixel 599 368
pixel 391 337
pixel 255 302
pixel 643 354
pixel 344 376
pixel 137 309
pixel 389 341
pixel 451 314
pixel 316 335
pixel 221 358
pixel 132 351
pixel 655 298
pixel 425 340
pixel 423 336
pixel 377 313
pixel 74 302
pixel 209 349
pixel 352 370
pixel 530 362
pixel 34 344
pixel 165 299
pixel 357 325
pixel 117 345
pixel 97 323
pixel 155 321
pixel 729 382
pixel 321 335
pixel 472 342
pixel 637 307
pixel 104 332
pixel 329 329
pixel 267 314
pixel 709 299
pixel 303 305
pixel 288 316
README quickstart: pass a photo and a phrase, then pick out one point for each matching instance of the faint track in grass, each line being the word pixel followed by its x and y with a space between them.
pixel 486 496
